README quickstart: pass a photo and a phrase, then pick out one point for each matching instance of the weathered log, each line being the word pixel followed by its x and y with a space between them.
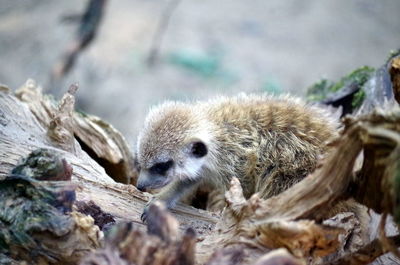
pixel 247 229
pixel 21 133
pixel 98 138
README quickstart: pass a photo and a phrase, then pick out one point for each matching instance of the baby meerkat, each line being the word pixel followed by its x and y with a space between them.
pixel 268 143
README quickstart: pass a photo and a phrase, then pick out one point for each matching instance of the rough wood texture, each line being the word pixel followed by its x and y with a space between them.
pixel 247 229
pixel 37 220
pixel 366 254
pixel 100 139
pixel 161 245
pixel 21 133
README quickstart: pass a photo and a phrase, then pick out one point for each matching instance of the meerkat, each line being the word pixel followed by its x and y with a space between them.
pixel 268 143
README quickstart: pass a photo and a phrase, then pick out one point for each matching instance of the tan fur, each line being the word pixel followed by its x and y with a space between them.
pixel 267 143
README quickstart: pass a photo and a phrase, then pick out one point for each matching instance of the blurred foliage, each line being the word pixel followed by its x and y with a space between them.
pixel 208 65
pixel 271 86
pixel 358 99
pixel 320 90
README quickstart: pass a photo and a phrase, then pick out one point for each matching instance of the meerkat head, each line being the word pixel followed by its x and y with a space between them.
pixel 173 145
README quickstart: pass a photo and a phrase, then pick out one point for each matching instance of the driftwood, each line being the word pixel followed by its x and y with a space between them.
pixel 290 228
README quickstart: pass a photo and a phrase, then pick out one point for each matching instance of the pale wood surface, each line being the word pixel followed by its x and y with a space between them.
pixel 255 226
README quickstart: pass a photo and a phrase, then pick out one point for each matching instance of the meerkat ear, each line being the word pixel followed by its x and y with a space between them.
pixel 198 149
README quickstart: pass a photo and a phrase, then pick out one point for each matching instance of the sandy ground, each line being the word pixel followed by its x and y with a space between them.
pixel 254 46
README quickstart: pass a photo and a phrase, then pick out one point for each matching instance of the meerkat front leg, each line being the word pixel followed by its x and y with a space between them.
pixel 171 194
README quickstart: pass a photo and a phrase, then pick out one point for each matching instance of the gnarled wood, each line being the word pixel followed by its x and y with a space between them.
pixel 247 229
pixel 21 133
pixel 100 139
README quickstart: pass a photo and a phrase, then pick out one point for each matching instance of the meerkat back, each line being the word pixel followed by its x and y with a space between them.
pixel 269 143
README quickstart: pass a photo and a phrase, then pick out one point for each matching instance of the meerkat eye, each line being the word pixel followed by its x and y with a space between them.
pixel 199 149
pixel 161 168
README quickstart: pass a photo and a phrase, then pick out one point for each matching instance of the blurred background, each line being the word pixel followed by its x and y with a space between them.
pixel 200 48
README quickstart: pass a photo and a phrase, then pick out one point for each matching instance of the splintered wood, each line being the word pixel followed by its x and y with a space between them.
pixel 24 124
pixel 98 138
pixel 303 225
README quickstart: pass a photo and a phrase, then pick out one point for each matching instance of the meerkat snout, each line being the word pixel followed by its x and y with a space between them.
pixel 183 164
pixel 155 177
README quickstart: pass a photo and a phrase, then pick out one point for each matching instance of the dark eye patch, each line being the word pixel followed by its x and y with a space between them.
pixel 199 149
pixel 161 168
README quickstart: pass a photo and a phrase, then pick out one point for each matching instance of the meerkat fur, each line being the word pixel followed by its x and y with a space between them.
pixel 268 143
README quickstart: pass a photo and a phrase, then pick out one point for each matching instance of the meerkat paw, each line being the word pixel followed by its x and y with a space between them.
pixel 145 212
pixel 143 217
pixel 167 204
pixel 146 208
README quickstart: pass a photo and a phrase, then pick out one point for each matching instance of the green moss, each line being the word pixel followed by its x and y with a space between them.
pixel 26 207
pixel 358 76
pixel 29 206
pixel 42 164
pixel 319 90
pixel 358 99
pixel 323 88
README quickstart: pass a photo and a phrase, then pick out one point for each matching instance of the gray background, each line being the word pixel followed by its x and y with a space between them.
pixel 258 46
